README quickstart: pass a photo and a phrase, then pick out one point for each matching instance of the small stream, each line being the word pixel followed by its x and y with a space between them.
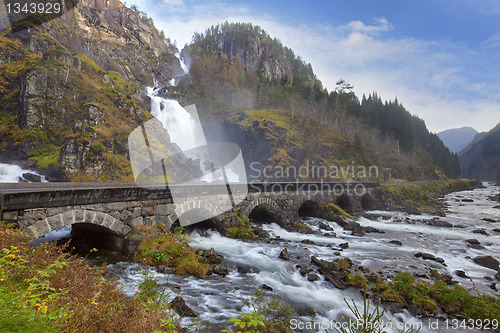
pixel 252 264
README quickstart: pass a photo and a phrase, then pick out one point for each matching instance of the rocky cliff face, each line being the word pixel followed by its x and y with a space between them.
pixel 256 50
pixel 73 89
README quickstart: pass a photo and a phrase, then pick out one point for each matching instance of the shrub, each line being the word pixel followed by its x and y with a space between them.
pixel 171 249
pixel 242 229
pixel 52 291
pixel 335 209
pixel 97 148
pixel 357 280
pixel 269 315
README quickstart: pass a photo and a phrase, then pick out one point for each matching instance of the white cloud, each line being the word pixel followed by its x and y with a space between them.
pixel 173 2
pixel 433 79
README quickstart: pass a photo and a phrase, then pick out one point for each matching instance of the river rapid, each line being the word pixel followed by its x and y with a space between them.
pixel 252 263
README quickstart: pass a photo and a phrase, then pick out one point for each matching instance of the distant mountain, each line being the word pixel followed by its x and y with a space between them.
pixel 481 158
pixel 457 139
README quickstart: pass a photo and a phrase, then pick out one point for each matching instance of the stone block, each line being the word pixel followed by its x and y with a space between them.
pixel 116 226
pixel 147 211
pixel 108 220
pixel 126 229
pixel 68 217
pixel 135 222
pixel 42 227
pixel 79 216
pixel 99 218
pixel 56 221
pixel 137 212
pixel 160 219
pixel 55 210
pixel 117 206
pixel 25 223
pixel 133 204
pixel 88 216
pixel 164 209
pixel 10 216
pixel 35 214
pixel 150 220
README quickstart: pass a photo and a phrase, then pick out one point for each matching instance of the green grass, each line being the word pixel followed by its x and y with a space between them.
pixel 331 207
pixel 46 156
pixel 424 195
pixel 15 317
pixel 455 299
pixel 171 249
pixel 242 229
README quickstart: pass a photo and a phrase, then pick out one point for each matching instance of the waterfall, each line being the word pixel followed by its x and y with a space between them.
pixel 184 67
pixel 184 128
pixel 10 173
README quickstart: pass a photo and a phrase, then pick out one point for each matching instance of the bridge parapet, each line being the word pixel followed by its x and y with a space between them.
pixel 41 208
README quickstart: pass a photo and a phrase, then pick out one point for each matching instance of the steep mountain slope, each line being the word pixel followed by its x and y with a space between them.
pixel 71 90
pixel 457 139
pixel 260 89
pixel 481 158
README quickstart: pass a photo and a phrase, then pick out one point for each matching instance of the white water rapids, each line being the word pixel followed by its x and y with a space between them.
pixel 10 173
pixel 217 299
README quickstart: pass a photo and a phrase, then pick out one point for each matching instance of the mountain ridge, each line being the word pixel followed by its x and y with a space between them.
pixel 73 89
pixel 457 139
pixel 481 158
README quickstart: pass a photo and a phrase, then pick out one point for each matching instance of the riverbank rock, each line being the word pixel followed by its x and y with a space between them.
pixel 461 274
pixel 373 230
pixel 284 254
pixel 497 276
pixel 480 231
pixel 179 305
pixel 266 287
pixel 355 227
pixel 396 242
pixel 220 270
pixel 411 209
pixel 311 277
pixel 308 242
pixel 428 256
pixel 211 257
pixel 344 246
pixel 32 178
pixel 488 262
pixel 331 272
pixel 435 222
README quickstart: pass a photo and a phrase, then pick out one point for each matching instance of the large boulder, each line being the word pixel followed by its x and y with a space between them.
pixel 487 261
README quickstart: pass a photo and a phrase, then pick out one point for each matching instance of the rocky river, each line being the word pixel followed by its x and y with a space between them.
pixel 465 245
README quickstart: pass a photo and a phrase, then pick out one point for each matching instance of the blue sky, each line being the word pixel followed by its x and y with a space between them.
pixel 440 58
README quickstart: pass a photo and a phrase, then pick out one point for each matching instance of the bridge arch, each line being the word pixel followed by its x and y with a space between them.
pixel 263 210
pixel 207 206
pixel 262 201
pixel 309 208
pixel 207 220
pixel 345 203
pixel 74 216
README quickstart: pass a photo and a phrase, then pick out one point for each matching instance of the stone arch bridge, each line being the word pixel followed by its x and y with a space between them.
pixel 44 207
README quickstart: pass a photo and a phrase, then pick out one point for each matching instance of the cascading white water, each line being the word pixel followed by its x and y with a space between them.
pixel 255 263
pixel 10 173
pixel 184 67
pixel 184 129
